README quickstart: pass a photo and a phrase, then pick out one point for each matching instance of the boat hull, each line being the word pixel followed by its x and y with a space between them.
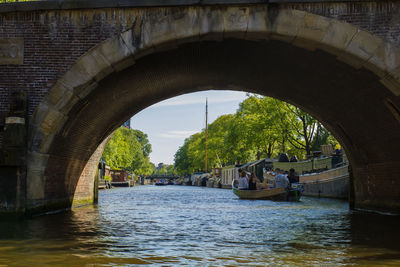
pixel 333 183
pixel 278 194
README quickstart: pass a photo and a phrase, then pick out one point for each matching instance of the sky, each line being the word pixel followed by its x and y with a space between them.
pixel 169 122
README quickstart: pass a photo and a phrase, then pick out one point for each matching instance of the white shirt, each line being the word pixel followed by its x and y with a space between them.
pixel 281 180
pixel 243 184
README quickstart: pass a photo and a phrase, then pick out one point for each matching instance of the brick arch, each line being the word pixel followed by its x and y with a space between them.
pixel 155 32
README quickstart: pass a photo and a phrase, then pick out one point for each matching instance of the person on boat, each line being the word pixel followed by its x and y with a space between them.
pixel 281 179
pixel 247 174
pixel 253 182
pixel 293 178
pixel 243 184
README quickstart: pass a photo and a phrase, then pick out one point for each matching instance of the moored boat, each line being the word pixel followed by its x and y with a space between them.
pixel 161 182
pixel 333 183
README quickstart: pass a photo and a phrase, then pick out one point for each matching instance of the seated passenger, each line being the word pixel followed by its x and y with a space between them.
pixel 243 184
pixel 293 178
pixel 253 182
pixel 281 180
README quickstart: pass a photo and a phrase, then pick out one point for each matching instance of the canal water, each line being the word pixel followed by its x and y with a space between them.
pixel 193 226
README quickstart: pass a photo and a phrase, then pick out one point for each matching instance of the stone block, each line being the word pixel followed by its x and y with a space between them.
pixel 39 114
pixel 385 59
pixel 130 40
pixel 337 37
pixel 113 50
pixel 61 98
pixel 137 40
pixel 133 36
pixel 211 23
pixel 235 22
pixel 286 25
pixel 186 24
pixel 141 34
pixel 363 45
pixel 66 105
pixel 53 121
pixel 34 137
pixel 95 64
pixel 158 27
pixel 56 93
pixel 360 49
pixel 350 59
pixel 311 31
pixel 14 120
pixel 11 51
pixel 36 182
pixel 258 26
pixel 85 90
pixel 76 76
pixel 133 40
pixel 126 63
pixel 46 142
pixel 36 161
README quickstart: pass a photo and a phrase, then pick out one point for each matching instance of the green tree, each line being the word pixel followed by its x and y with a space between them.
pixel 129 149
pixel 181 158
pixel 302 127
pixel 166 169
pixel 262 127
pixel 261 123
pixel 16 1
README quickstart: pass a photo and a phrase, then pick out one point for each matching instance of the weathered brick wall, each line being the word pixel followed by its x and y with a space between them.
pixel 381 18
pixel 52 43
pixel 84 192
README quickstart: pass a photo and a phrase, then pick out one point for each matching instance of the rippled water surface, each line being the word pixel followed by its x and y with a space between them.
pixel 193 226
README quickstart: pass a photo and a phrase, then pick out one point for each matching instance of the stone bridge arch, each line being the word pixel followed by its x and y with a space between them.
pixel 66 136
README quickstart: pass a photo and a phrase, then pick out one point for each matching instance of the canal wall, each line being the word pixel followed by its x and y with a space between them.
pixel 332 183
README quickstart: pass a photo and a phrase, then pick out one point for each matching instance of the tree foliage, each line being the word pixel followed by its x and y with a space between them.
pixel 16 1
pixel 129 149
pixel 262 127
pixel 165 169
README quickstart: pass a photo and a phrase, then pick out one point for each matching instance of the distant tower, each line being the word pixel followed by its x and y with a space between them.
pixel 127 124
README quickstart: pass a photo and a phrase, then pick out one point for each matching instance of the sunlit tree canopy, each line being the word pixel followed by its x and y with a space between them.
pixel 262 127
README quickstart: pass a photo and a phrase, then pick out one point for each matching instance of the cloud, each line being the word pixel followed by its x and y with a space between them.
pixel 191 99
pixel 177 134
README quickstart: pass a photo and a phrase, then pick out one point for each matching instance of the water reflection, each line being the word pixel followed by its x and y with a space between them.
pixel 201 226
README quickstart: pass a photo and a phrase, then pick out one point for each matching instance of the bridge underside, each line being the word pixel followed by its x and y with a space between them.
pixel 87 71
pixel 350 102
